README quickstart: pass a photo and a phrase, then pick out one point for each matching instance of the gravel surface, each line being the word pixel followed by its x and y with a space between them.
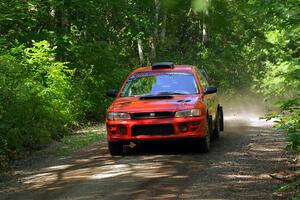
pixel 238 167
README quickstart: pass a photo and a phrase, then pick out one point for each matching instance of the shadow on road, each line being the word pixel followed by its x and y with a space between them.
pixel 237 167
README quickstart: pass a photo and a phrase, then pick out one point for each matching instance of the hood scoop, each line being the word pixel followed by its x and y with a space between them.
pixel 156 97
pixel 184 101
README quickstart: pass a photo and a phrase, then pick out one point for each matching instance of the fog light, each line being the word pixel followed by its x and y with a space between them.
pixel 183 127
pixel 122 130
pixel 112 129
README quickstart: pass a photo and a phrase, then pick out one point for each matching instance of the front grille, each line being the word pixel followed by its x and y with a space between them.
pixel 152 115
pixel 153 129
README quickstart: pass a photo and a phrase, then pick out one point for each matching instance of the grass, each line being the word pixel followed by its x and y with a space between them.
pixel 77 140
pixel 294 184
pixel 292 188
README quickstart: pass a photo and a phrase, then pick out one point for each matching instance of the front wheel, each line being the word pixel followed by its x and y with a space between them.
pixel 205 142
pixel 115 148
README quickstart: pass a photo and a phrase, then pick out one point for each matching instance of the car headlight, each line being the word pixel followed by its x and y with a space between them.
pixel 188 113
pixel 117 116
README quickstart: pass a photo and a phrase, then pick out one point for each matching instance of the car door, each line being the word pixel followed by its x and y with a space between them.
pixel 209 99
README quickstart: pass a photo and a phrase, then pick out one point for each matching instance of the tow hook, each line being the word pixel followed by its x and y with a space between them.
pixel 129 146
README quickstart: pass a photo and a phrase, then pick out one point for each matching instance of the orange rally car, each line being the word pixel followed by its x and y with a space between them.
pixel 164 102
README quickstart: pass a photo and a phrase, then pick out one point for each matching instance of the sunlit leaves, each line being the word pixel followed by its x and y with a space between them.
pixel 200 5
pixel 278 80
pixel 35 96
pixel 276 37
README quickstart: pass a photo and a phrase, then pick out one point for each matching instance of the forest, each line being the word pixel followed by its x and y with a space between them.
pixel 59 57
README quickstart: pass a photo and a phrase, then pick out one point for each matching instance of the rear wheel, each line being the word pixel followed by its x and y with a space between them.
pixel 221 118
pixel 217 128
pixel 115 148
pixel 205 142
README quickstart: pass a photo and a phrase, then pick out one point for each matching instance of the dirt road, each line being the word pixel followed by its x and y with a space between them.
pixel 237 167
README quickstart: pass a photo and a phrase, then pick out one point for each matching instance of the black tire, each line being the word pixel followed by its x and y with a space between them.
pixel 205 142
pixel 217 128
pixel 115 148
pixel 221 118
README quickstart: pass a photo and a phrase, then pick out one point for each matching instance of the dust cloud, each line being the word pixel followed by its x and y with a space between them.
pixel 246 109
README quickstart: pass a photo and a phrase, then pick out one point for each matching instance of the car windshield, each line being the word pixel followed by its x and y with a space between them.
pixel 160 83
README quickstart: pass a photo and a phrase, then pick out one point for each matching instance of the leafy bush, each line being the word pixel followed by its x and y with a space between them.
pixel 36 97
pixel 289 120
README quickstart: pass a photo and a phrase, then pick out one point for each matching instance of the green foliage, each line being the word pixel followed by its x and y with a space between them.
pixel 35 96
pixel 289 120
pixel 290 186
pixel 280 80
pixel 200 5
pixel 294 138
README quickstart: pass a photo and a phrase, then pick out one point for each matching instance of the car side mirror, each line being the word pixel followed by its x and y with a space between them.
pixel 111 93
pixel 210 90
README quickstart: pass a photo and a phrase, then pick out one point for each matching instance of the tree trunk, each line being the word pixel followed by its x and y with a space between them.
pixel 154 38
pixel 163 28
pixel 204 27
pixel 52 14
pixel 152 56
pixel 140 50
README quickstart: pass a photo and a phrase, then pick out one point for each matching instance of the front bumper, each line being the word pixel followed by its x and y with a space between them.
pixel 191 127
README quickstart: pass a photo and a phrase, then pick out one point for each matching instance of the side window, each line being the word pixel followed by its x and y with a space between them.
pixel 203 81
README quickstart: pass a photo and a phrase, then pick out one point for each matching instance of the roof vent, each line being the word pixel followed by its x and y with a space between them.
pixel 163 65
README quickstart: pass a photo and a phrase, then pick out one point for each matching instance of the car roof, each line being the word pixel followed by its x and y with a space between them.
pixel 175 68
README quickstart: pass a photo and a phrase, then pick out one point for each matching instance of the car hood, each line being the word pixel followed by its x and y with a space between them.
pixel 135 104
